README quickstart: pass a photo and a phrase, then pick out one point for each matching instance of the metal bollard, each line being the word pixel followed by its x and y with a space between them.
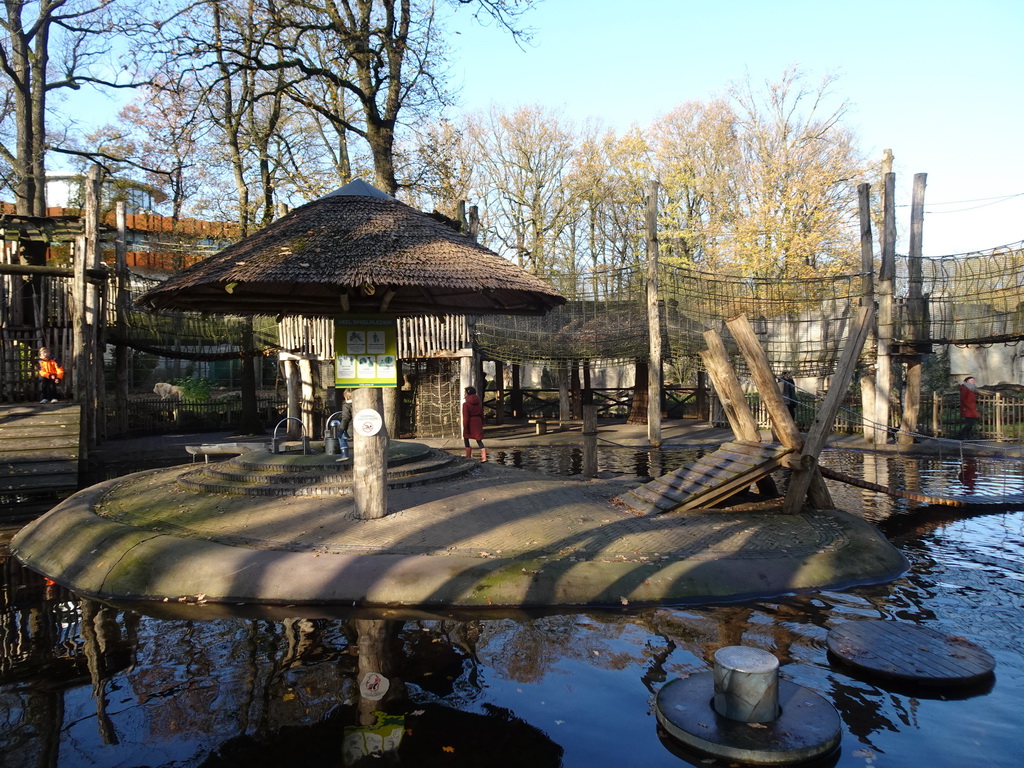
pixel 746 684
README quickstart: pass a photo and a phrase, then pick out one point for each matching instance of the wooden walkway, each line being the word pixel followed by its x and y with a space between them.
pixel 709 480
pixel 39 457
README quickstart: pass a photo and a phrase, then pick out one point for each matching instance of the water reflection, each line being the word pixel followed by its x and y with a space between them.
pixel 82 682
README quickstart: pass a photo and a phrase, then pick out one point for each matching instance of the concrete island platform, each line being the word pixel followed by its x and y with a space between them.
pixel 492 536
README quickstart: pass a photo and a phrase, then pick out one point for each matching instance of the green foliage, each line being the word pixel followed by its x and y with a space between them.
pixel 935 375
pixel 194 390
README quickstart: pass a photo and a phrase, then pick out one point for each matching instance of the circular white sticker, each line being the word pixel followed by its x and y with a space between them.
pixel 367 422
pixel 374 685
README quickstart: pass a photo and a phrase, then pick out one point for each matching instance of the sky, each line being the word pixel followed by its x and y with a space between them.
pixel 939 83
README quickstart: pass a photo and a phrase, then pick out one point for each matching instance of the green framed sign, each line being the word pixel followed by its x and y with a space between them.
pixel 365 351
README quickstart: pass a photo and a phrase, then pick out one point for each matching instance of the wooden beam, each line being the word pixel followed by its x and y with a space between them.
pixel 767 386
pixel 727 384
pixel 802 479
pixel 653 322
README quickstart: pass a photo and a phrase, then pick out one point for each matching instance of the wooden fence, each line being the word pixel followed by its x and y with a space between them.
pixel 153 416
pixel 1002 416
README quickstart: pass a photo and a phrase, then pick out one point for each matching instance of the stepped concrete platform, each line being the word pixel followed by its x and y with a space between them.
pixel 490 537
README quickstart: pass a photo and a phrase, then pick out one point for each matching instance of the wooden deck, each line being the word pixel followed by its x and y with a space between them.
pixel 39 457
pixel 709 480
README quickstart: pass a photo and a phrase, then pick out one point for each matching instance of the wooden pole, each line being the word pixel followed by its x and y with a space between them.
pixel 886 277
pixel 590 441
pixel 867 298
pixel 369 458
pixel 653 321
pixel 293 393
pixel 915 313
pixel 122 304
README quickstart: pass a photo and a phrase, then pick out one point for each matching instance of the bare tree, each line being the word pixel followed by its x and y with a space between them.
pixel 523 159
pixel 81 32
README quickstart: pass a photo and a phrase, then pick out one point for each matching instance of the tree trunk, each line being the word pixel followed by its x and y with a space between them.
pixel 638 411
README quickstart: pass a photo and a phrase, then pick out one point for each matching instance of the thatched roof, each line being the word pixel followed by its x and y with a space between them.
pixel 355 250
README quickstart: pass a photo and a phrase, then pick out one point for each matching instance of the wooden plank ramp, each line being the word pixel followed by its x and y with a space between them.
pixel 39 457
pixel 712 478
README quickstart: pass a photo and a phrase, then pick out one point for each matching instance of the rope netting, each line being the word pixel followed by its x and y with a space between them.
pixel 190 335
pixel 801 323
pixel 973 298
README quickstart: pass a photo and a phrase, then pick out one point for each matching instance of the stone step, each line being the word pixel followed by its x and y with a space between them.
pixel 317 486
pixel 335 472
pixel 264 461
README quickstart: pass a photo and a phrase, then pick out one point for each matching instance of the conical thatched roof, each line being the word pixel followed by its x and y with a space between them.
pixel 355 250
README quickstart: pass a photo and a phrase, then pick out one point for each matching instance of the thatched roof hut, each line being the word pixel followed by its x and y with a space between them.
pixel 355 250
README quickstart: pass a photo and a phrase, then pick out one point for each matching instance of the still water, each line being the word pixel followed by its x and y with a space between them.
pixel 87 684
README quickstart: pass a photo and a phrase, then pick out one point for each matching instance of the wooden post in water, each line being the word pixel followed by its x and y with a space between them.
pixel 369 457
pixel 916 315
pixel 886 278
pixel 867 298
pixel 589 440
pixel 653 321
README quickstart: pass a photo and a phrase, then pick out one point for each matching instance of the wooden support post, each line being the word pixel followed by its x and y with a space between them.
pixel 293 393
pixel 499 393
pixel 516 400
pixel 886 278
pixel 653 321
pixel 916 314
pixel 562 376
pixel 867 299
pixel 369 458
pixel 308 397
pixel 802 480
pixel 589 441
pixel 122 303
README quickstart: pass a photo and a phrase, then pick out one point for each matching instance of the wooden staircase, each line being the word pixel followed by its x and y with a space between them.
pixel 39 457
pixel 714 477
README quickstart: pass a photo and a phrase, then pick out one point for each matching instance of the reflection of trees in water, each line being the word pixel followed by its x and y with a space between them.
pixel 256 690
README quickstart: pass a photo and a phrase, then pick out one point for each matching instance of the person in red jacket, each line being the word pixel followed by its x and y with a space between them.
pixel 50 373
pixel 473 423
pixel 968 407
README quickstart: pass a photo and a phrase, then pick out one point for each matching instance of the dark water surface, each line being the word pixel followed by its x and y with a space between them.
pixel 85 684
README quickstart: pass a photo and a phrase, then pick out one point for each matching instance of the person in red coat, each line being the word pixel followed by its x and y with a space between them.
pixel 968 407
pixel 473 423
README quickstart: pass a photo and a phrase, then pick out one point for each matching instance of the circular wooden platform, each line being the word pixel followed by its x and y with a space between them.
pixel 808 726
pixel 910 653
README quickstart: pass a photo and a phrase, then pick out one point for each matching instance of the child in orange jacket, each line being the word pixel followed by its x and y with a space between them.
pixel 50 372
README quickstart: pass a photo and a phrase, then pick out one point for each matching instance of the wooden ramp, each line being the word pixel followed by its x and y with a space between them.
pixel 39 456
pixel 709 480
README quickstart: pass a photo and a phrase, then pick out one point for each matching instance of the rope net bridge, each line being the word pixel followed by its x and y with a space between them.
pixel 971 299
